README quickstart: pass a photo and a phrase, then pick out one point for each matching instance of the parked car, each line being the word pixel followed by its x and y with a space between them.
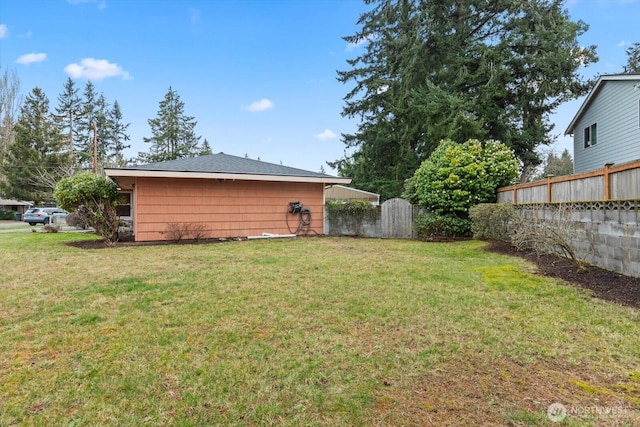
pixel 43 215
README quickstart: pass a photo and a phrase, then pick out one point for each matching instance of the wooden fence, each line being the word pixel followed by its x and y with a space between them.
pixel 393 220
pixel 619 182
pixel 397 219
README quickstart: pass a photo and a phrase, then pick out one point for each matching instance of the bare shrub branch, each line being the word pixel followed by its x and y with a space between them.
pixel 177 231
pixel 546 229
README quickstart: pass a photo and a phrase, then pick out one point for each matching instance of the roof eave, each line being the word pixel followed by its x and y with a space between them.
pixel 358 190
pixel 134 173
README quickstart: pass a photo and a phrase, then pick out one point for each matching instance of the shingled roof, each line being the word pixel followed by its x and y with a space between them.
pixel 225 166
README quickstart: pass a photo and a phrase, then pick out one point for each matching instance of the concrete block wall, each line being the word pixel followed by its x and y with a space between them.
pixel 370 227
pixel 607 236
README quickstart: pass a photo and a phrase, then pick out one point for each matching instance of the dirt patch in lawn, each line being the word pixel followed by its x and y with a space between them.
pixel 127 240
pixel 477 391
pixel 605 284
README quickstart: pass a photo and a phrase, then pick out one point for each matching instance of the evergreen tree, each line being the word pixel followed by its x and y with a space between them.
pixel 39 149
pixel 118 136
pixel 542 57
pixel 205 149
pixel 84 140
pixel 69 111
pixel 173 135
pixel 553 165
pixel 633 59
pixel 459 69
pixel 103 128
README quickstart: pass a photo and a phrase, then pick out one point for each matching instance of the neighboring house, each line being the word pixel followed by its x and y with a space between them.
pixel 340 192
pixel 227 196
pixel 13 205
pixel 606 128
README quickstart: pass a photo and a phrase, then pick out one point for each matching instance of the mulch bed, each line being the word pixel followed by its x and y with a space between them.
pixel 605 284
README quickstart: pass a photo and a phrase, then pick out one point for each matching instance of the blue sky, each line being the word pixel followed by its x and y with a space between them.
pixel 259 76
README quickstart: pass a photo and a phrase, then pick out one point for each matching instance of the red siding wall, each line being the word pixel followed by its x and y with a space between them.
pixel 225 208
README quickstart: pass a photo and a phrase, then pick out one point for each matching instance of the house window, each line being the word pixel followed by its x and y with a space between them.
pixel 123 209
pixel 590 135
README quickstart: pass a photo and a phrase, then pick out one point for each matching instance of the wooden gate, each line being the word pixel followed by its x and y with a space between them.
pixel 397 219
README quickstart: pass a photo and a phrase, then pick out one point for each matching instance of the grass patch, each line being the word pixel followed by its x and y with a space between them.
pixel 14 227
pixel 311 331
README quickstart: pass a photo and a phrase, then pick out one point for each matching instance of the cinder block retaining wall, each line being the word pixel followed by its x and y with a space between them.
pixel 607 234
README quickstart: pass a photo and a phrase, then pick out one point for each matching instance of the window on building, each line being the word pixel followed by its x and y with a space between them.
pixel 123 209
pixel 587 137
pixel 590 135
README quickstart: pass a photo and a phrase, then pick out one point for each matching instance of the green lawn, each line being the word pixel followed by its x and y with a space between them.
pixel 307 331
pixel 15 226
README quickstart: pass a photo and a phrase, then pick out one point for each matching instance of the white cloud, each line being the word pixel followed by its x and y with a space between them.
pixel 101 3
pixel 326 134
pixel 382 89
pixel 30 58
pixel 263 105
pixel 95 69
pixel 622 43
pixel 4 31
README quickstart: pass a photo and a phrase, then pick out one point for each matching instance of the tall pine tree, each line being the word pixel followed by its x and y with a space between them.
pixel 459 69
pixel 118 136
pixel 205 148
pixel 104 141
pixel 173 136
pixel 69 111
pixel 84 141
pixel 633 59
pixel 38 150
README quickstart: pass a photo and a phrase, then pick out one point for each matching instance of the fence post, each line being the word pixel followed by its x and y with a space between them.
pixel 549 187
pixel 607 186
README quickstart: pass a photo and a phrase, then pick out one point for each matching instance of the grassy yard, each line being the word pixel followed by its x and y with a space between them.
pixel 317 331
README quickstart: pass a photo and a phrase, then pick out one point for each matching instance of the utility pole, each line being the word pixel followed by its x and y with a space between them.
pixel 95 148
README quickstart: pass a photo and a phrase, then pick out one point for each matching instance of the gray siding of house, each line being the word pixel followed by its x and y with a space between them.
pixel 615 110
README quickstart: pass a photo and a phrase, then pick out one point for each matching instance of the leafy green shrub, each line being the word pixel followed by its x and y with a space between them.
pixel 7 215
pixel 490 221
pixel 435 225
pixel 458 176
pixel 93 197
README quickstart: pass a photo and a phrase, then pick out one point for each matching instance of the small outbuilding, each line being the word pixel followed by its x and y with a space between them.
pixel 340 192
pixel 221 196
